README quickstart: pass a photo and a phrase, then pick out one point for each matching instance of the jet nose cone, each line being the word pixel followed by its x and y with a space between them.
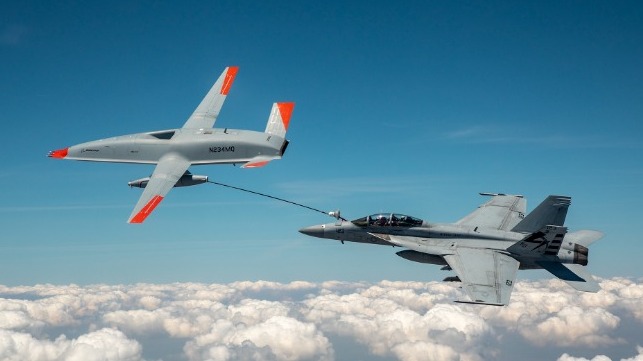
pixel 59 153
pixel 313 231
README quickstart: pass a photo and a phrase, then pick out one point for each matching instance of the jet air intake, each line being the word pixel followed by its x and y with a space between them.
pixel 186 180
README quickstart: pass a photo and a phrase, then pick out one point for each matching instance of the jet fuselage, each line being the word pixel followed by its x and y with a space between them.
pixel 197 142
pixel 432 239
pixel 486 247
pixel 201 146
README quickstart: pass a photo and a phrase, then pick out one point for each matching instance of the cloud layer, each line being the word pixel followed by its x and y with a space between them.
pixel 318 321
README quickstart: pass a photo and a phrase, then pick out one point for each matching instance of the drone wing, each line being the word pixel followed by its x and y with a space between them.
pixel 206 113
pixel 168 171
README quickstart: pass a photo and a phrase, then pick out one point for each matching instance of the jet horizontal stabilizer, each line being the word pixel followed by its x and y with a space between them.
pixel 257 162
pixel 574 275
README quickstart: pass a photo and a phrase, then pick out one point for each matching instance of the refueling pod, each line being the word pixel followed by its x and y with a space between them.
pixel 187 179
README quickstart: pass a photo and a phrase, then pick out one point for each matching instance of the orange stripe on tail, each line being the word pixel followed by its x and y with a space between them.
pixel 285 109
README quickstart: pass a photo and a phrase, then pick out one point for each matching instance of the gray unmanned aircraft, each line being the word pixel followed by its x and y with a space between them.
pixel 175 150
pixel 486 248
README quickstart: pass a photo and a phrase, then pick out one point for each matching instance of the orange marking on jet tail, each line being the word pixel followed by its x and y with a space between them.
pixel 59 153
pixel 256 165
pixel 145 211
pixel 229 78
pixel 285 109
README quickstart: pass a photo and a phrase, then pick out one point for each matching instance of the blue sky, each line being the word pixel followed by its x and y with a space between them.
pixel 411 107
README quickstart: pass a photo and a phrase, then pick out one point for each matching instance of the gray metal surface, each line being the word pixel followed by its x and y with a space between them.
pixel 483 248
pixel 197 143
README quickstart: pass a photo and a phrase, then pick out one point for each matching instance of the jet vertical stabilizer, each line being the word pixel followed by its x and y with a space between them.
pixel 279 118
pixel 552 211
pixel 277 125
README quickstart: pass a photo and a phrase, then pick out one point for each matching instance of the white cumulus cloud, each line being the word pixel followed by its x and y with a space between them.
pixel 409 321
pixel 102 345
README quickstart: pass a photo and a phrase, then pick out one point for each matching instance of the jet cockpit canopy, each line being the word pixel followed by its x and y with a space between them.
pixel 388 220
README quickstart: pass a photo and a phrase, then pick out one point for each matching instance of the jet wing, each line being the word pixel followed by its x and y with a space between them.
pixel 167 172
pixel 574 274
pixel 501 212
pixel 487 276
pixel 206 113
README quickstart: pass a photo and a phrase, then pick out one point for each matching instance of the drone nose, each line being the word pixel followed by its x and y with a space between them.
pixel 313 231
pixel 59 153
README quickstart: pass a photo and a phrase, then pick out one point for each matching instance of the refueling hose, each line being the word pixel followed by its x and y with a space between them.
pixel 335 214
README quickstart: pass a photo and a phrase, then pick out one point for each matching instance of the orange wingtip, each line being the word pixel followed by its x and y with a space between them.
pixel 147 210
pixel 285 109
pixel 256 165
pixel 59 153
pixel 229 79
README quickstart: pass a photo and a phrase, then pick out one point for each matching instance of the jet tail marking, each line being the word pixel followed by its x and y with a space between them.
pixel 545 241
pixel 279 119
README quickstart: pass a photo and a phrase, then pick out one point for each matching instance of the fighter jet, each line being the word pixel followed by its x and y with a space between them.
pixel 486 248
pixel 197 142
